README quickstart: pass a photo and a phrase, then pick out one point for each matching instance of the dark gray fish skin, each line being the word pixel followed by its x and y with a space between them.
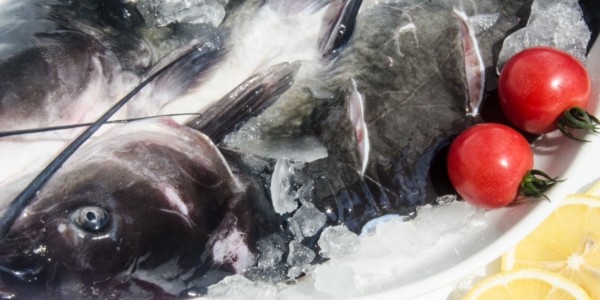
pixel 407 59
pixel 66 59
pixel 591 14
pixel 63 64
pixel 158 201
pixel 76 67
pixel 148 208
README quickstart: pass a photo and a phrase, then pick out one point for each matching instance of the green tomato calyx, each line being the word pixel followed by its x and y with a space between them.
pixel 576 117
pixel 535 183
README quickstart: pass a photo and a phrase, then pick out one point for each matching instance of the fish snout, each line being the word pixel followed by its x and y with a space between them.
pixel 22 261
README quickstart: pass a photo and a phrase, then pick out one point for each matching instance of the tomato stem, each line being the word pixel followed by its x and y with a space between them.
pixel 535 183
pixel 577 118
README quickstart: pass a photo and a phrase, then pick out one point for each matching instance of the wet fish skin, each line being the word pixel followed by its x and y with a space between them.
pixel 75 68
pixel 182 197
pixel 408 62
pixel 58 58
pixel 37 79
pixel 288 118
pixel 143 199
pixel 78 57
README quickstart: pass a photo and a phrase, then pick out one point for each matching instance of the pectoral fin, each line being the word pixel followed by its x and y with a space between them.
pixel 247 100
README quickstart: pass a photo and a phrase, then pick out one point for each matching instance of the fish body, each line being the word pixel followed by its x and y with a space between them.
pixel 410 79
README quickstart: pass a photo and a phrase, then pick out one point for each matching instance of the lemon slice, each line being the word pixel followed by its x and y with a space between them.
pixel 594 190
pixel 566 243
pixel 530 284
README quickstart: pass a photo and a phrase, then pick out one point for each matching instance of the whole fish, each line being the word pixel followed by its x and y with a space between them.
pixel 154 208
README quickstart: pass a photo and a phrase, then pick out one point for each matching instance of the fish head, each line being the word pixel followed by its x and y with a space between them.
pixel 140 197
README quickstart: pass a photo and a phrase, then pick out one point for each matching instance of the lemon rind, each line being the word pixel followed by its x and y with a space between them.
pixel 504 278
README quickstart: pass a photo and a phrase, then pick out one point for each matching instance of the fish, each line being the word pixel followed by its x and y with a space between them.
pixel 67 62
pixel 148 205
pixel 412 76
pixel 166 209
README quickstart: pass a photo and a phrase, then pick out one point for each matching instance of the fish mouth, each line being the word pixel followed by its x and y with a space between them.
pixel 25 275
pixel 23 258
pixel 19 280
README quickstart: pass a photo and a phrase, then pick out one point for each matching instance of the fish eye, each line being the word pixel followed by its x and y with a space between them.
pixel 91 218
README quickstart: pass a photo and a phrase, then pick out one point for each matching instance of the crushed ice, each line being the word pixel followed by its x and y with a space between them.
pixel 165 12
pixel 555 23
pixel 360 264
pixel 288 187
pixel 308 219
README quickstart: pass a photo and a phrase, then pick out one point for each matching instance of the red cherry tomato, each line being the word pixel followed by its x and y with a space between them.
pixel 487 162
pixel 537 84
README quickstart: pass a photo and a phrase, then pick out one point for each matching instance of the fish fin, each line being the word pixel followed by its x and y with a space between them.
pixel 356 113
pixel 187 70
pixel 245 101
pixel 350 139
pixel 474 66
pixel 340 21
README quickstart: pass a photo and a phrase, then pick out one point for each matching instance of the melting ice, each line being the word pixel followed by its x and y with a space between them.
pixel 555 23
pixel 164 12
pixel 360 264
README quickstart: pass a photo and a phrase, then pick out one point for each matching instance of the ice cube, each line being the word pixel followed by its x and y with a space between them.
pixel 309 219
pixel 281 187
pixel 299 255
pixel 271 252
pixel 238 287
pixel 555 23
pixel 403 238
pixel 164 12
pixel 372 225
pixel 294 272
pixel 304 192
pixel 337 241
